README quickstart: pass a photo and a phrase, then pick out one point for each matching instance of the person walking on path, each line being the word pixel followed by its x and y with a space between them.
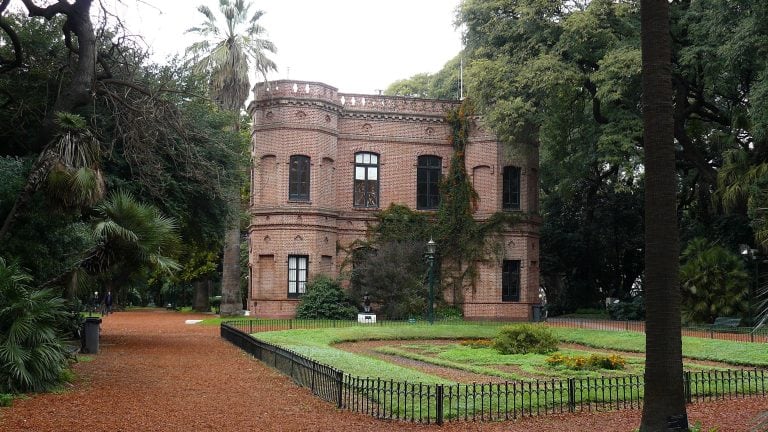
pixel 107 303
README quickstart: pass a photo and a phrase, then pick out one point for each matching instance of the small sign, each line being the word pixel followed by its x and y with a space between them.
pixel 366 318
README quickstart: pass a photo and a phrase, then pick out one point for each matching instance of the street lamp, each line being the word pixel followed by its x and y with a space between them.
pixel 430 255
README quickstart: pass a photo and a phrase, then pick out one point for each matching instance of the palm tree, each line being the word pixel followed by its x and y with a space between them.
pixel 664 401
pixel 130 236
pixel 32 353
pixel 714 282
pixel 226 55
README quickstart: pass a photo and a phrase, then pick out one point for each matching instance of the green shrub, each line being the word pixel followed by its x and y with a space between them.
pixel 524 339
pixel 32 352
pixel 6 400
pixel 325 299
pixel 449 313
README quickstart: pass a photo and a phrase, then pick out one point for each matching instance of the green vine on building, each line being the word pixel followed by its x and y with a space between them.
pixel 463 241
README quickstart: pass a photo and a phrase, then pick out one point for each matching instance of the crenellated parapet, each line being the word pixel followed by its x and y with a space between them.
pixel 351 105
pixel 295 89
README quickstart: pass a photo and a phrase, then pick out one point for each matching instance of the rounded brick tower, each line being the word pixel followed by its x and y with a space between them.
pixel 293 230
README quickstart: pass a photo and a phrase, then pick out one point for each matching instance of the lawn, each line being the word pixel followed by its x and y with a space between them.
pixel 319 344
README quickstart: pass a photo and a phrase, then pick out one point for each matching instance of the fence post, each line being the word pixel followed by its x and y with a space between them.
pixel 439 406
pixel 688 393
pixel 571 394
pixel 339 387
pixel 312 384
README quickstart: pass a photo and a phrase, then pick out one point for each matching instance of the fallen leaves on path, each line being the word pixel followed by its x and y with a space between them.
pixel 156 373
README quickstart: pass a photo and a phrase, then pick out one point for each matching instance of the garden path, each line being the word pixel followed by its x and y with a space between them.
pixel 156 373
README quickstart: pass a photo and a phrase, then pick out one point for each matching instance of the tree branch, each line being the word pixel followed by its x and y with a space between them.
pixel 6 65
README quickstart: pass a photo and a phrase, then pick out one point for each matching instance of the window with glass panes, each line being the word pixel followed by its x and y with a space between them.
pixel 297 275
pixel 511 188
pixel 366 187
pixel 428 172
pixel 510 280
pixel 298 178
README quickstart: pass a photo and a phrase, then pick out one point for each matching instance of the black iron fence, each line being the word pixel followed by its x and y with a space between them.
pixel 740 334
pixel 438 403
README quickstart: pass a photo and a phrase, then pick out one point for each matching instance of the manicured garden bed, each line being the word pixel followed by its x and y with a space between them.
pixel 425 372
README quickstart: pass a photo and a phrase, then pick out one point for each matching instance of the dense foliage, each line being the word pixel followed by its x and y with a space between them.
pixel 108 165
pixel 714 283
pixel 629 310
pixel 565 77
pixel 394 276
pixel 325 299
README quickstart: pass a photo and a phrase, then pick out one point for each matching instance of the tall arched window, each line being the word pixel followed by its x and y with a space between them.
pixel 428 173
pixel 298 178
pixel 366 188
pixel 511 188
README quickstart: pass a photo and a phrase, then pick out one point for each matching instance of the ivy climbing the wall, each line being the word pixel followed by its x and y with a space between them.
pixel 463 241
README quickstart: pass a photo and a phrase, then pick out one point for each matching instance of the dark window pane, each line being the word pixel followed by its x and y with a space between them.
pixel 298 178
pixel 511 188
pixel 510 281
pixel 428 173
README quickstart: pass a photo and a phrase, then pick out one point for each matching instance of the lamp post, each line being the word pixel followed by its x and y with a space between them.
pixel 430 255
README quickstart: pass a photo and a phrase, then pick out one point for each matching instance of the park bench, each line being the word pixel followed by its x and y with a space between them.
pixel 726 323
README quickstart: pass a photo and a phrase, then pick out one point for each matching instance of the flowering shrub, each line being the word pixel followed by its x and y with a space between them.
pixel 594 361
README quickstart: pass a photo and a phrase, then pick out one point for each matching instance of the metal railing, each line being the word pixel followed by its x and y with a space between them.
pixel 738 334
pixel 438 403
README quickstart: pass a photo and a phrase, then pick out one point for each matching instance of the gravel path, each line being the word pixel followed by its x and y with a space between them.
pixel 156 373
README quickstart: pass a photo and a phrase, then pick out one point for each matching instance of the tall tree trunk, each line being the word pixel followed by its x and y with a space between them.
pixel 664 401
pixel 202 295
pixel 231 304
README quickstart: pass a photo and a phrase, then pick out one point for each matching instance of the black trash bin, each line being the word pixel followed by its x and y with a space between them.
pixel 91 335
pixel 538 313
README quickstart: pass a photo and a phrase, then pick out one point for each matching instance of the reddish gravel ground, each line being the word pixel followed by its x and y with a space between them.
pixel 156 373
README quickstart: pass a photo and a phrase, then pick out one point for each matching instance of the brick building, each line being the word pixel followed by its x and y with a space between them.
pixel 324 162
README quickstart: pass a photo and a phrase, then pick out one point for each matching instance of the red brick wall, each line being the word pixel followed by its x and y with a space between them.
pixel 313 119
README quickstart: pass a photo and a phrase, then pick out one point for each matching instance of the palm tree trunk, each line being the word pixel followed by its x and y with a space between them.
pixel 664 401
pixel 230 278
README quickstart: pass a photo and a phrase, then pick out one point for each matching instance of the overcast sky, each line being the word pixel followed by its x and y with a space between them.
pixel 358 46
